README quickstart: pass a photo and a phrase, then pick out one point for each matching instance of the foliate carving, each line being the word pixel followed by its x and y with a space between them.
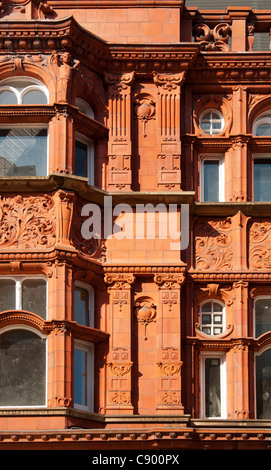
pixel 168 82
pixel 120 369
pixel 27 222
pixel 93 247
pixel 213 39
pixel 144 109
pixel 169 281
pixel 170 398
pixel 213 244
pixel 119 82
pixel 120 398
pixel 119 281
pixel 170 369
pixel 259 235
pixel 145 312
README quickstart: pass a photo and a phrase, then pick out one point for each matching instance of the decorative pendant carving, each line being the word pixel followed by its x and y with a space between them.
pixel 144 109
pixel 145 312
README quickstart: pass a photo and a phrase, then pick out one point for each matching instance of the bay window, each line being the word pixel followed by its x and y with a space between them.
pixel 83 375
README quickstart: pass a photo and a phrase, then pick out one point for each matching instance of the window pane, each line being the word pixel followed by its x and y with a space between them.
pixel 263 385
pixel 81 154
pixel 212 388
pixel 34 97
pixel 218 319
pixel 262 179
pixel 206 307
pixel 264 130
pixel 8 97
pixel 23 152
pixel 81 306
pixel 206 319
pixel 80 377
pixel 217 307
pixel 7 295
pixel 211 180
pixel 34 296
pixel 22 369
pixel 262 316
pixel 207 330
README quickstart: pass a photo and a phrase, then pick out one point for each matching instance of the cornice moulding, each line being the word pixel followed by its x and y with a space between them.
pixel 116 4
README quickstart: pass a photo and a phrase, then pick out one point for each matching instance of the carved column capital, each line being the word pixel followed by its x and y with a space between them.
pixel 119 281
pixel 169 281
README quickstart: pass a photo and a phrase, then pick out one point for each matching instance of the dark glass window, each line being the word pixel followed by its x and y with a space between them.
pixel 7 295
pixel 263 385
pixel 211 180
pixel 80 377
pixel 81 306
pixel 262 316
pixel 22 368
pixel 262 179
pixel 81 159
pixel 34 296
pixel 212 388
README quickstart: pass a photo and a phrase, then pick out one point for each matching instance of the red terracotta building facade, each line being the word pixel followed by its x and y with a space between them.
pixel 129 339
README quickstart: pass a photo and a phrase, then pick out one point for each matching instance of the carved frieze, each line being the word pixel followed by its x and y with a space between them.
pixel 213 244
pixel 27 222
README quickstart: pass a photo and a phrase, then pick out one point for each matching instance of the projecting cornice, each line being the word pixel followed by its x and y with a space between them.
pixel 45 36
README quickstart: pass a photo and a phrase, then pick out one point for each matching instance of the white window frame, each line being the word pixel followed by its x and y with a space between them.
pixel 89 349
pixel 221 175
pixel 32 126
pixel 264 118
pixel 212 325
pixel 211 111
pixel 90 155
pixel 223 384
pixel 9 84
pixel 18 289
pixel 42 336
pixel 91 302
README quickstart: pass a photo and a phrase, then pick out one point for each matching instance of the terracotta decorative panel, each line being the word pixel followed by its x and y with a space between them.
pixel 27 222
pixel 213 244
pixel 259 234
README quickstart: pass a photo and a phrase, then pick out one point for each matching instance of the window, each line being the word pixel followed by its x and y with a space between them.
pixel 263 385
pixel 23 148
pixel 212 179
pixel 214 386
pixel 84 158
pixel 212 317
pixel 262 178
pixel 212 122
pixel 28 294
pixel 262 315
pixel 84 304
pixel 83 376
pixel 84 107
pixel 22 368
pixel 22 91
pixel 262 125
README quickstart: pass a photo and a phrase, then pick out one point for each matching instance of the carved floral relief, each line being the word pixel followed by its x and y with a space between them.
pixel 259 236
pixel 27 222
pixel 213 244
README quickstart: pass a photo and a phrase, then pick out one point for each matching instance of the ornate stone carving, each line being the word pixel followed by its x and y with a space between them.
pixel 169 281
pixel 119 281
pixel 169 82
pixel 223 104
pixel 145 312
pixel 170 369
pixel 259 235
pixel 215 39
pixel 27 222
pixel 213 244
pixel 144 109
pixel 120 369
pixel 66 67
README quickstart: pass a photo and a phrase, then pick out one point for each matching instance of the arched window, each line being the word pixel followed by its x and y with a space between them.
pixel 84 304
pixel 23 147
pixel 23 90
pixel 263 385
pixel 20 293
pixel 211 122
pixel 84 107
pixel 262 315
pixel 22 368
pixel 212 317
pixel 262 125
